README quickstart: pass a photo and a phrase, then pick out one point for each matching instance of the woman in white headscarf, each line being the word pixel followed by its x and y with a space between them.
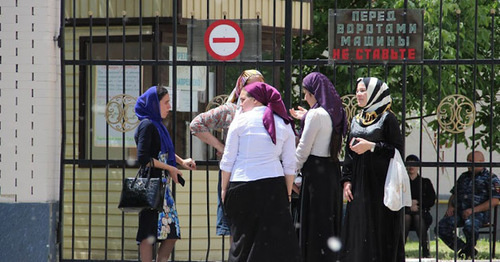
pixel 371 231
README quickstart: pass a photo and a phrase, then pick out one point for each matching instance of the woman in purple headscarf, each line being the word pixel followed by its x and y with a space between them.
pixel 317 157
pixel 154 143
pixel 258 169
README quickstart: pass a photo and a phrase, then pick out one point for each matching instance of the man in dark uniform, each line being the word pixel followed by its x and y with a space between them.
pixel 463 201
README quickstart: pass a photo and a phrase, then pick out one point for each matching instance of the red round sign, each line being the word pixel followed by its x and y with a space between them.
pixel 224 40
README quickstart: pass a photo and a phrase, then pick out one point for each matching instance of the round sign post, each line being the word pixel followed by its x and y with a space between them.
pixel 224 40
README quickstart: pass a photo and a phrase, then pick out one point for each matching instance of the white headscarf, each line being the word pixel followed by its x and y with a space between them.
pixel 379 99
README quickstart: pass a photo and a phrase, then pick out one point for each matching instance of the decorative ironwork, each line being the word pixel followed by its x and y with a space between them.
pixel 120 114
pixel 216 101
pixel 456 113
pixel 350 104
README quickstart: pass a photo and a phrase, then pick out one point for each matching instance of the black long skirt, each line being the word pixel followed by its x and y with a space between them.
pixel 321 209
pixel 371 231
pixel 261 223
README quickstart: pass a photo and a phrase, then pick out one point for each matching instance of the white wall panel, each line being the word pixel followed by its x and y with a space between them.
pixel 30 124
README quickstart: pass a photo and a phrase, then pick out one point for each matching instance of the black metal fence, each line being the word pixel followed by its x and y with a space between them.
pixel 107 55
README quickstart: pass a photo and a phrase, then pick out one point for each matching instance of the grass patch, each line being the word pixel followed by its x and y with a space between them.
pixel 483 248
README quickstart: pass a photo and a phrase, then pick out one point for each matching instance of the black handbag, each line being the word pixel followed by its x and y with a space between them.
pixel 142 191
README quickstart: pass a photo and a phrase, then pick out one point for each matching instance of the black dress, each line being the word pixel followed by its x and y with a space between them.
pixel 148 143
pixel 371 231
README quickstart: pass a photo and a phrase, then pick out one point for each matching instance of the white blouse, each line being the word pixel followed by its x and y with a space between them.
pixel 249 153
pixel 315 139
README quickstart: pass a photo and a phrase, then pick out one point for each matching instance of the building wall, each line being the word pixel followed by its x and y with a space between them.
pixel 271 12
pixel 102 226
pixel 30 129
pixel 229 9
pixel 30 101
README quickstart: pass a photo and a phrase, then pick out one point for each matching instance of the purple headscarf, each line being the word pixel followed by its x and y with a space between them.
pixel 327 97
pixel 148 107
pixel 271 98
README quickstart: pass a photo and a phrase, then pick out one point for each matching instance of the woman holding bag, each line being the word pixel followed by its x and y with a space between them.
pixel 154 142
pixel 371 231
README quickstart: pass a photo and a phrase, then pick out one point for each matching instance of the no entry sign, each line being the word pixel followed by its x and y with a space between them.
pixel 224 40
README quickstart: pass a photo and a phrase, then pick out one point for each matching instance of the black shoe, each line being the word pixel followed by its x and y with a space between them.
pixel 426 253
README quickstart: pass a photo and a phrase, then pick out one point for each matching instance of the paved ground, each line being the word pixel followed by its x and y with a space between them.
pixel 434 260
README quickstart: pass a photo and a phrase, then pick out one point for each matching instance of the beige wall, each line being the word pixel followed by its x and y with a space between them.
pixel 92 225
pixel 198 9
pixel 251 9
pixel 94 211
pixel 95 228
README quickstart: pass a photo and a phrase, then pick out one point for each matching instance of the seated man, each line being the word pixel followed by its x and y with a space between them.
pixel 423 198
pixel 463 200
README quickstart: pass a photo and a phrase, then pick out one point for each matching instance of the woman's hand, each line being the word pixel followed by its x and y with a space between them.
pixel 223 195
pixel 360 145
pixel 219 154
pixel 414 205
pixel 189 164
pixel 174 173
pixel 347 192
pixel 299 113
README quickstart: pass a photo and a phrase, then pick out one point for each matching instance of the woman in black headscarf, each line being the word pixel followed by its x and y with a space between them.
pixel 317 156
pixel 371 231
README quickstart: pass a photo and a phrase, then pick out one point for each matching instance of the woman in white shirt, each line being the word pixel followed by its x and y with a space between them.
pixel 317 156
pixel 258 169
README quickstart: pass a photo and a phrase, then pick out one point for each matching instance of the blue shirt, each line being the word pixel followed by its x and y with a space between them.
pixel 483 189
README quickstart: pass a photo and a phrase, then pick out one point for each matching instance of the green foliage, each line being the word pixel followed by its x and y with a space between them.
pixel 455 34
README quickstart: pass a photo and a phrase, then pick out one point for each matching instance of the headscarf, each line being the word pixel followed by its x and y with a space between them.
pixel 148 107
pixel 271 98
pixel 379 99
pixel 327 97
pixel 240 83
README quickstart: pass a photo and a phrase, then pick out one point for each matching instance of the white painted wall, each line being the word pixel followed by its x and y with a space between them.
pixel 30 101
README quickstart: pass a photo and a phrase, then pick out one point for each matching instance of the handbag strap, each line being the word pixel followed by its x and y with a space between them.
pixel 151 166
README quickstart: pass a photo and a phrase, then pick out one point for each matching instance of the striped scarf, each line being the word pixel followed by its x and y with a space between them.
pixel 379 100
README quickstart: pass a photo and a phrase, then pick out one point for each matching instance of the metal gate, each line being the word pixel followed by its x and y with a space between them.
pixel 114 50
